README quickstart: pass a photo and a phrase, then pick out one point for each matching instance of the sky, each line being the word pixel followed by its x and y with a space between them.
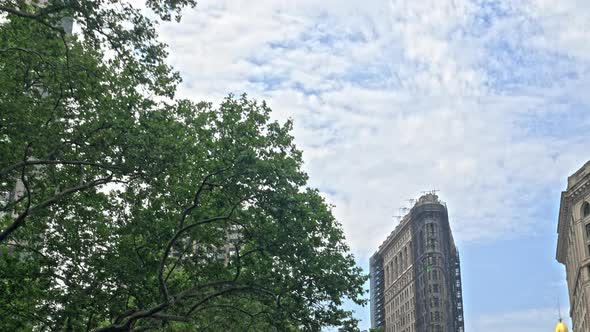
pixel 485 101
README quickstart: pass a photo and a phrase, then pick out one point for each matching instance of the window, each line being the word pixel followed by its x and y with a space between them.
pixel 405 256
pixel 435 288
pixel 421 242
pixel 432 244
pixel 402 261
pixel 391 272
pixel 435 302
pixel 587 231
pixel 585 209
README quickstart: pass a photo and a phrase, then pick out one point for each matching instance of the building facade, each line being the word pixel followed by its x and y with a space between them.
pixel 415 274
pixel 573 245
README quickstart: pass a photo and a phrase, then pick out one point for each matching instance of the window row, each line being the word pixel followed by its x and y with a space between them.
pixel 397 265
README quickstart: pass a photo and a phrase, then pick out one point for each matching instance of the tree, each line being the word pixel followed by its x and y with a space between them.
pixel 139 211
pixel 55 78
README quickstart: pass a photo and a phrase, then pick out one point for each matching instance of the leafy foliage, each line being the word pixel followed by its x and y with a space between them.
pixel 135 211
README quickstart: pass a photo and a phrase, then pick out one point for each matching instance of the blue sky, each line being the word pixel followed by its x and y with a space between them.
pixel 484 100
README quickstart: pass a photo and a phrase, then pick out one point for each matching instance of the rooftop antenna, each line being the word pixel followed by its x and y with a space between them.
pixel 559 308
pixel 434 191
pixel 412 201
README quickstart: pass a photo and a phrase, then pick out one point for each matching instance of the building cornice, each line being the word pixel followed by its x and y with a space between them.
pixel 580 190
pixel 578 177
pixel 578 186
pixel 562 229
pixel 425 200
pixel 392 237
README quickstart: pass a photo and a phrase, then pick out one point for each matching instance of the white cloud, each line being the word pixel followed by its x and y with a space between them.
pixel 565 26
pixel 391 98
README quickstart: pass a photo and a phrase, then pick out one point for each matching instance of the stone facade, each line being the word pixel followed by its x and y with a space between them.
pixel 415 275
pixel 573 245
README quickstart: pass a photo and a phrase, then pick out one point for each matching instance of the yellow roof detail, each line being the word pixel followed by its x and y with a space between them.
pixel 561 327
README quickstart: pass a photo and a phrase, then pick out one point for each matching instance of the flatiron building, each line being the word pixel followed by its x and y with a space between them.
pixel 415 274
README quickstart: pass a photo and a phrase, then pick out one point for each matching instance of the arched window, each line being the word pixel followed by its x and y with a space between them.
pixel 585 209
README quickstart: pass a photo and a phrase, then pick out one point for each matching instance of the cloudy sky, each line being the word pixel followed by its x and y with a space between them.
pixel 486 101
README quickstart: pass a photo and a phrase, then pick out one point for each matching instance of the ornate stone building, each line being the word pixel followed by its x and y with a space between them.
pixel 415 274
pixel 573 245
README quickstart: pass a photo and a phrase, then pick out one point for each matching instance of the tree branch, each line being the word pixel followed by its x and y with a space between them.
pixel 19 221
pixel 134 317
pixel 227 291
pixel 24 163
pixel 189 209
pixel 156 311
pixel 177 261
pixel 163 287
pixel 37 15
pixel 185 213
pixel 171 317
pixel 22 49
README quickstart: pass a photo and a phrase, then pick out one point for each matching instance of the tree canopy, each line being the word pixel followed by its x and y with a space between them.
pixel 124 208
